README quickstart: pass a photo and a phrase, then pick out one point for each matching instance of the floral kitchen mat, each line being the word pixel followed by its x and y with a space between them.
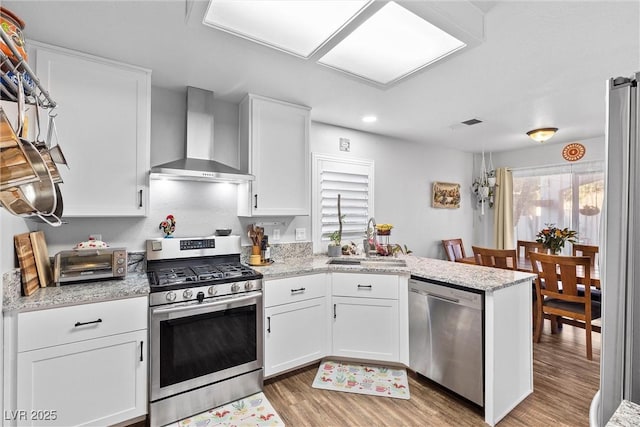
pixel 254 410
pixel 363 379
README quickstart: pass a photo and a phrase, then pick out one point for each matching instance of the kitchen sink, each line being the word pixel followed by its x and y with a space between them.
pixel 369 262
pixel 343 261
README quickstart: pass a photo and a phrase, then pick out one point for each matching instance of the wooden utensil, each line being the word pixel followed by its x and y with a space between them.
pixel 41 255
pixel 27 262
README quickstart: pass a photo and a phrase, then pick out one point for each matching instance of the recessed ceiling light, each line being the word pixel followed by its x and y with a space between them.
pixel 390 45
pixel 296 27
pixel 369 119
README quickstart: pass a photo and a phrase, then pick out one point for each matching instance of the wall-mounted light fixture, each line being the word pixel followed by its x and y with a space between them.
pixel 542 134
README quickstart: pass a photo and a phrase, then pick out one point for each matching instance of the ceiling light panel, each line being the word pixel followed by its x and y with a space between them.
pixel 296 27
pixel 390 45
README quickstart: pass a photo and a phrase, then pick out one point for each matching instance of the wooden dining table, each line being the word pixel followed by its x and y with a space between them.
pixel 524 264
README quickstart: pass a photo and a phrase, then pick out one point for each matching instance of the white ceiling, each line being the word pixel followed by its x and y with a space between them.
pixel 540 64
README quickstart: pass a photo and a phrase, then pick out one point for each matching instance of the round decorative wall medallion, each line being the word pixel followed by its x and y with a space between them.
pixel 572 152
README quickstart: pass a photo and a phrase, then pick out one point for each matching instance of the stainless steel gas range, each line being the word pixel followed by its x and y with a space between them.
pixel 206 334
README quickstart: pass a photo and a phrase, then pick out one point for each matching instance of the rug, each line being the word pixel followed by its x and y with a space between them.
pixel 254 410
pixel 362 379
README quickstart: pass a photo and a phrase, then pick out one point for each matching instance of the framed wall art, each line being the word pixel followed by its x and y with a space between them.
pixel 446 195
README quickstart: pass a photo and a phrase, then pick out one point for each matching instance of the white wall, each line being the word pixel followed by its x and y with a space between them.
pixel 404 175
pixel 535 156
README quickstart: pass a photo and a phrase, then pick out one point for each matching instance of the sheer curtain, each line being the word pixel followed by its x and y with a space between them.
pixel 569 195
pixel 503 210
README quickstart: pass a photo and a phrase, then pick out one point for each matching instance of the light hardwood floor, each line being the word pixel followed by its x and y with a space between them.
pixel 564 384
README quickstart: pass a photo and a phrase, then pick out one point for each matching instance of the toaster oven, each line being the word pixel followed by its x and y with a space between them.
pixel 89 264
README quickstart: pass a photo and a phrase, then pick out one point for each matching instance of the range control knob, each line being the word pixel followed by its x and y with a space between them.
pixel 235 287
pixel 120 270
pixel 212 290
pixel 120 261
pixel 171 296
pixel 187 293
pixel 248 286
pixel 200 296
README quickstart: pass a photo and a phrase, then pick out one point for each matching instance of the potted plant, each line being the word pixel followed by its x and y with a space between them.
pixel 554 238
pixel 335 249
pixel 491 178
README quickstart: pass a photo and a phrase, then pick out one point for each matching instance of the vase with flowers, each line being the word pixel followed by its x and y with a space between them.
pixel 554 238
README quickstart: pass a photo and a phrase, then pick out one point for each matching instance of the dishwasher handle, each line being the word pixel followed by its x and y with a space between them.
pixel 448 294
pixel 440 297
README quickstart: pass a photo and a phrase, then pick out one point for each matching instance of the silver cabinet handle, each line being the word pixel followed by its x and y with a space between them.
pixel 269 324
pixel 334 311
pixel 293 291
pixel 141 350
pixel 365 287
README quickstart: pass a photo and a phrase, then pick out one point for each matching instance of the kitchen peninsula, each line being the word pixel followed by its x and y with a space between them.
pixel 508 348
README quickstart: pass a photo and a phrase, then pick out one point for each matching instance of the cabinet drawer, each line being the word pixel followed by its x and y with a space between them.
pixel 292 289
pixel 365 285
pixel 44 328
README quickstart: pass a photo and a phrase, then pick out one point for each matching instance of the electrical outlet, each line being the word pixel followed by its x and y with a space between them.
pixel 276 234
pixel 95 237
pixel 301 234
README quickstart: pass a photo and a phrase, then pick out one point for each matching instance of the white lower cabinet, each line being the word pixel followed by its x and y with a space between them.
pixel 355 315
pixel 366 316
pixel 96 382
pixel 296 326
pixel 366 328
pixel 76 366
pixel 295 335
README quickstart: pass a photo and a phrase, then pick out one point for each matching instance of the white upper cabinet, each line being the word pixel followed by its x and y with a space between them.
pixel 103 122
pixel 274 138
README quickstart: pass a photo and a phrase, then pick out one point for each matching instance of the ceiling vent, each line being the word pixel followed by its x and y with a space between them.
pixel 471 122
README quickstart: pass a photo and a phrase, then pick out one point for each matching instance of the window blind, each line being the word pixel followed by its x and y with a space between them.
pixel 353 188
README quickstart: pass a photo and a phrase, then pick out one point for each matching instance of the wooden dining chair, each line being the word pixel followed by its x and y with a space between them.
pixel 454 249
pixel 557 293
pixel 591 251
pixel 585 250
pixel 527 246
pixel 498 258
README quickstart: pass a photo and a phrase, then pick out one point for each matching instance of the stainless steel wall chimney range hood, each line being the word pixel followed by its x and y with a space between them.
pixel 199 165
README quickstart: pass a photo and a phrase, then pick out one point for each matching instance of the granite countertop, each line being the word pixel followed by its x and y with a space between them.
pixel 134 285
pixel 466 275
pixel 627 415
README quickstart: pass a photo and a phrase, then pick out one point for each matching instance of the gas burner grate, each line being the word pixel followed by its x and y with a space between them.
pixel 207 272
pixel 175 275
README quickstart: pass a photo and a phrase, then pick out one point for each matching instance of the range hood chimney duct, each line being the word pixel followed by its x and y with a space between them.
pixel 199 163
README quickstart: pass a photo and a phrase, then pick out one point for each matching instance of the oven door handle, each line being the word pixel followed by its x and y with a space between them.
pixel 219 301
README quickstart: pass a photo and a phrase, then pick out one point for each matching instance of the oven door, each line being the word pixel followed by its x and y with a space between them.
pixel 195 344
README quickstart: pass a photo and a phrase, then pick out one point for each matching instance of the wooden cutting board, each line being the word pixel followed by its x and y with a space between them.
pixel 41 255
pixel 27 262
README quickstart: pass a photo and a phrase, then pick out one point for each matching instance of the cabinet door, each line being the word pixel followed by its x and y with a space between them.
pixel 103 123
pixel 102 381
pixel 366 328
pixel 295 334
pixel 279 158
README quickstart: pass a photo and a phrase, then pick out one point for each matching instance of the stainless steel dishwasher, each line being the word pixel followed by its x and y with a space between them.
pixel 446 337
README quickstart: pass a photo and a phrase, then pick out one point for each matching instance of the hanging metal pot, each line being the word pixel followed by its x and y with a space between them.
pixel 15 166
pixel 35 199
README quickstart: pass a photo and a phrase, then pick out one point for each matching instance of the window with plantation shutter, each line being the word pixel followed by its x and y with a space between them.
pixel 353 180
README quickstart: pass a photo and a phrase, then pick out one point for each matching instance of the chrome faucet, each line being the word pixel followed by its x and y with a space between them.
pixel 371 249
